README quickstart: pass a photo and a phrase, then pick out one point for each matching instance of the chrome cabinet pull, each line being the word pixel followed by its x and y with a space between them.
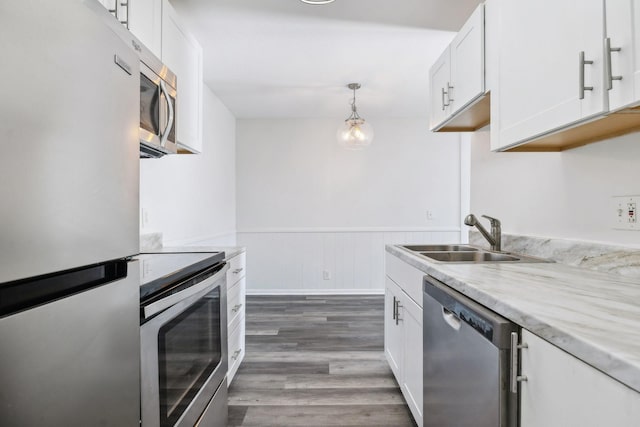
pixel 449 98
pixel 515 347
pixel 237 270
pixel 394 309
pixel 236 308
pixel 607 58
pixel 236 354
pixel 447 93
pixel 398 305
pixel 582 87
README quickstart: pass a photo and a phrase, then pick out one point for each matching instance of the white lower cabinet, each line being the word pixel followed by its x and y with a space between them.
pixel 392 336
pixel 562 391
pixel 236 292
pixel 236 349
pixel 411 385
pixel 403 333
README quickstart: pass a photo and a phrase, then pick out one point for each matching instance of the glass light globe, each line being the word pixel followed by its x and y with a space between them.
pixel 355 134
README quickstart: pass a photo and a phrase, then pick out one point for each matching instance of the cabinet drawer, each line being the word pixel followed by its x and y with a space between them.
pixel 235 301
pixel 407 277
pixel 237 269
pixel 236 349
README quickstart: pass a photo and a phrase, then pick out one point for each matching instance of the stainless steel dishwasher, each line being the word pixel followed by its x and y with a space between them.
pixel 467 362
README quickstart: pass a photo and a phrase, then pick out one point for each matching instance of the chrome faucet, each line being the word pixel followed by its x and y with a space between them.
pixel 495 238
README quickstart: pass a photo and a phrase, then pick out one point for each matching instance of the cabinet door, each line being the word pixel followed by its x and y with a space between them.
pixel 467 62
pixel 540 68
pixel 562 391
pixel 392 329
pixel 439 82
pixel 619 29
pixel 183 55
pixel 411 319
pixel 145 22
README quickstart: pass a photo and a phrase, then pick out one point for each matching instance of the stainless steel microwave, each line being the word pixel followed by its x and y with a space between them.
pixel 158 101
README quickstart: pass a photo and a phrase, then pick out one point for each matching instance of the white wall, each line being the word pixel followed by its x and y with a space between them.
pixel 306 205
pixel 562 195
pixel 191 198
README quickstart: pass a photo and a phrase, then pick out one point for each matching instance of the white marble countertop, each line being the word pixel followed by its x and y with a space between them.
pixel 594 316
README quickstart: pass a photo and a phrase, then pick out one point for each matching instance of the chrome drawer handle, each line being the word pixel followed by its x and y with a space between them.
pixel 237 270
pixel 236 354
pixel 236 308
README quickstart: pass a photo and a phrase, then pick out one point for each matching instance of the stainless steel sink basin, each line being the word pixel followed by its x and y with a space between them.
pixel 467 254
pixel 470 257
pixel 440 248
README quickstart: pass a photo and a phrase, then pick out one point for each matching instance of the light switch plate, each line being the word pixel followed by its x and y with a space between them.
pixel 625 212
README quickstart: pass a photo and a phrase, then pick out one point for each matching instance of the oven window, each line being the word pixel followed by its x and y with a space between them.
pixel 189 349
pixel 149 115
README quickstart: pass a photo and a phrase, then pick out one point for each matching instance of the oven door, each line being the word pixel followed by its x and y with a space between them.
pixel 157 114
pixel 183 353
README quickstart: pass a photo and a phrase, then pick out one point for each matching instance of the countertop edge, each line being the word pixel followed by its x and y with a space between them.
pixel 619 369
pixel 229 251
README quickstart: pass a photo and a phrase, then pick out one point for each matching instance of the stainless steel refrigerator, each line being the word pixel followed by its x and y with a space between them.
pixel 69 178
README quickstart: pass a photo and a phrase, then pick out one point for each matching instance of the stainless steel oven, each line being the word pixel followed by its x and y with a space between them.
pixel 158 98
pixel 183 340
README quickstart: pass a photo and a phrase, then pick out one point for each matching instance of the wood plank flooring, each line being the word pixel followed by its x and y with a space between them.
pixel 316 361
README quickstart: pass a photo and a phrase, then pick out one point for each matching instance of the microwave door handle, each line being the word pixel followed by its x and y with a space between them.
pixel 167 129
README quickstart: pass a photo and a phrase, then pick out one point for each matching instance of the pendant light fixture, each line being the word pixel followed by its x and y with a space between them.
pixel 355 133
pixel 317 1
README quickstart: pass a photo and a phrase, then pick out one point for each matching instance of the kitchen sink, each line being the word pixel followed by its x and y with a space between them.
pixel 467 254
pixel 470 257
pixel 440 248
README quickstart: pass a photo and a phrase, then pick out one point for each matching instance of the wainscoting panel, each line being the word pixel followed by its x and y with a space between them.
pixel 325 262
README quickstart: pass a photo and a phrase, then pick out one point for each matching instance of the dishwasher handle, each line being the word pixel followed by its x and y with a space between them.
pixel 451 319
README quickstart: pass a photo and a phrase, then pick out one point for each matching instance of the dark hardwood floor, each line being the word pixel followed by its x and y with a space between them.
pixel 315 361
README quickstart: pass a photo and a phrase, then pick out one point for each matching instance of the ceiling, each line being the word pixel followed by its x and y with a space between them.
pixel 285 59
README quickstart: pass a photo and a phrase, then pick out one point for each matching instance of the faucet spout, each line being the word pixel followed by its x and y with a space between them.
pixel 495 237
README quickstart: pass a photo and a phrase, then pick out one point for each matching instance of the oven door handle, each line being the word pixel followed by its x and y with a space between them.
pixel 205 286
pixel 165 134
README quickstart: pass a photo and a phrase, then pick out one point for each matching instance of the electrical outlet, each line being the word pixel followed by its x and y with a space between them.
pixel 326 275
pixel 626 212
pixel 430 215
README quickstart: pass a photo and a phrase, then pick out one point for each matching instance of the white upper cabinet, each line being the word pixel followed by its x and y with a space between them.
pixel 550 66
pixel 439 81
pixel 145 22
pixel 457 80
pixel 467 62
pixel 182 53
pixel 568 73
pixel 622 72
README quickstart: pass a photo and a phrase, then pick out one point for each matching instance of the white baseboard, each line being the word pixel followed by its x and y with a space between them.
pixel 315 291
